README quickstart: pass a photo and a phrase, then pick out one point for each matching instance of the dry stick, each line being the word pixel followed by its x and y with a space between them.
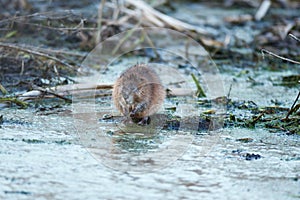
pixel 124 39
pixel 283 58
pixel 258 117
pixel 116 11
pixel 147 12
pixel 60 91
pixel 61 28
pixel 228 95
pixel 262 10
pixel 99 22
pixel 14 100
pixel 292 108
pixel 200 92
pixel 53 93
pixel 130 14
pixel 16 18
pixel 3 90
pixel 294 37
pixel 49 15
pixel 35 53
pixel 22 68
pixel 229 91
pixel 161 19
pixel 86 86
pixel 54 51
pixel 187 45
pixel 125 10
pixel 150 43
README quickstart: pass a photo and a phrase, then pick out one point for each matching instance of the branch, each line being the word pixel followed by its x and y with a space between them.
pixel 283 58
pixel 294 37
pixel 160 19
pixel 262 10
pixel 293 108
pixel 12 46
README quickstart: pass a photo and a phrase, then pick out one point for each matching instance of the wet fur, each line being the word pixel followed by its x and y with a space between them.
pixel 138 92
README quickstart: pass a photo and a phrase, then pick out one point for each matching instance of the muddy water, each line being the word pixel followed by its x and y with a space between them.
pixel 43 157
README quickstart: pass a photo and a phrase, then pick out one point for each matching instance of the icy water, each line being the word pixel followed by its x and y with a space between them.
pixel 44 157
pixel 70 153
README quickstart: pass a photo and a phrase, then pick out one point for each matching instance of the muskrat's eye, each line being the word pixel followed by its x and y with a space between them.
pixel 142 79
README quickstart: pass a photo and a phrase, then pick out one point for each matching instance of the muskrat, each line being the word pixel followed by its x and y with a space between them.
pixel 138 93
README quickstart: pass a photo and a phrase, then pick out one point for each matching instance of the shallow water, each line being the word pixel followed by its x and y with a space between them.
pixel 66 156
pixel 43 157
pixel 70 153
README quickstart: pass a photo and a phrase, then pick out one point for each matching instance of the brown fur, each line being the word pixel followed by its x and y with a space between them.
pixel 138 92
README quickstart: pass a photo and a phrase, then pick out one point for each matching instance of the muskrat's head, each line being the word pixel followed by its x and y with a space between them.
pixel 130 98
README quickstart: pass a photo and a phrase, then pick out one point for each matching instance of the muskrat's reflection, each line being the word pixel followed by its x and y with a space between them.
pixel 133 147
pixel 132 137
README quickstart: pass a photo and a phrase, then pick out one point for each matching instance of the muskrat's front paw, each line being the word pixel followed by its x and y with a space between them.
pixel 144 121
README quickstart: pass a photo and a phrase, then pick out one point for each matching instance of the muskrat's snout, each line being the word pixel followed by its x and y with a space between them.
pixel 131 114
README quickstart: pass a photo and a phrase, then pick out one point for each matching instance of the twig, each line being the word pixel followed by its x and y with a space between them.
pixel 99 22
pixel 77 89
pixel 86 86
pixel 160 19
pixel 187 45
pixel 229 91
pixel 284 30
pixel 77 28
pixel 3 90
pixel 125 38
pixel 200 92
pixel 293 108
pixel 47 91
pixel 12 46
pixel 179 92
pixel 59 52
pixel 283 58
pixel 62 90
pixel 116 11
pixel 17 101
pixel 49 15
pixel 54 51
pixel 150 43
pixel 125 10
pixel 258 117
pixel 294 37
pixel 262 10
pixel 22 68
